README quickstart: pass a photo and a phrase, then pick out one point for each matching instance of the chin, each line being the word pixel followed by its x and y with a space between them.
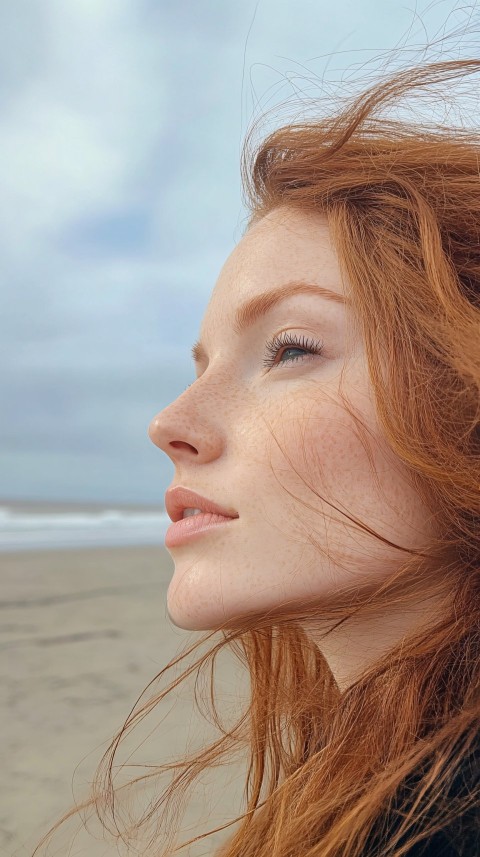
pixel 182 619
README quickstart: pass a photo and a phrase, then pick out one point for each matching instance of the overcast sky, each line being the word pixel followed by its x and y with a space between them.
pixel 121 125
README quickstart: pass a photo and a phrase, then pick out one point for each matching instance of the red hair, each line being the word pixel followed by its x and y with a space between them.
pixel 326 768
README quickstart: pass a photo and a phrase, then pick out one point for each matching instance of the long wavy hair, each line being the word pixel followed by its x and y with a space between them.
pixel 325 767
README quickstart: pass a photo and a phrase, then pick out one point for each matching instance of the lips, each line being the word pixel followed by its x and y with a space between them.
pixel 179 498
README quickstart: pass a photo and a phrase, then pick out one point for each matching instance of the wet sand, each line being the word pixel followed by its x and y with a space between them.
pixel 82 632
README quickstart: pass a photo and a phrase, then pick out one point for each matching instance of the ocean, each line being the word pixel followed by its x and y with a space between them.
pixel 32 526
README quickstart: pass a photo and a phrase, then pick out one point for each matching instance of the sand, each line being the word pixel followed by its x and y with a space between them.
pixel 82 634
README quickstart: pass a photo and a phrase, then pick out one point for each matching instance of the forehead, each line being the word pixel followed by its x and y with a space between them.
pixel 286 252
pixel 284 245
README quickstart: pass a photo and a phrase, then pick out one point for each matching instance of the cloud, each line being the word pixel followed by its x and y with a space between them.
pixel 121 126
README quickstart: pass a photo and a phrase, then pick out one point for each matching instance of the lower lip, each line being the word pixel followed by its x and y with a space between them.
pixel 187 528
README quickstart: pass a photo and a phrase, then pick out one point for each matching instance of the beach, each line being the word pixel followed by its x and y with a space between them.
pixel 82 633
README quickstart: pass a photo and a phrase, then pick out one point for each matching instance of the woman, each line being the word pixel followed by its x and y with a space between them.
pixel 332 440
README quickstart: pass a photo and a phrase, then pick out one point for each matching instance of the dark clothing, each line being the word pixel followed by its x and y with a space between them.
pixel 459 838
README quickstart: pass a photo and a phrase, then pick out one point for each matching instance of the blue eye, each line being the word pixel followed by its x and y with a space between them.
pixel 290 343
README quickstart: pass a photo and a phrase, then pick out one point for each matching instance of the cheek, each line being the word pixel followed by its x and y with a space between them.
pixel 317 442
pixel 322 453
pixel 324 456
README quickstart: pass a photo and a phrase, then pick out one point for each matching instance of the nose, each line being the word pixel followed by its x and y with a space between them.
pixel 184 437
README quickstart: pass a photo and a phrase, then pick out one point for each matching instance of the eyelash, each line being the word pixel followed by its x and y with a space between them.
pixel 288 341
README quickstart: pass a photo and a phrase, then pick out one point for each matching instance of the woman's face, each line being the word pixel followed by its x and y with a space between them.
pixel 262 439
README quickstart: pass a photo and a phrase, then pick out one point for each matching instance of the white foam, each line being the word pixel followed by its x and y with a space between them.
pixel 106 528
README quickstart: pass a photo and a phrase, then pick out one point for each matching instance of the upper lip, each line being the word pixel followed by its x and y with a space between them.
pixel 178 499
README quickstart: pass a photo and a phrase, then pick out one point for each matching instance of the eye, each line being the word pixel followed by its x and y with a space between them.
pixel 290 343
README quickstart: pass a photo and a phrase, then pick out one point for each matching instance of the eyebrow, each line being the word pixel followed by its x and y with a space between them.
pixel 255 308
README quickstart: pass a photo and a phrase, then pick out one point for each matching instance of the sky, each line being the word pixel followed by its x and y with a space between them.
pixel 121 127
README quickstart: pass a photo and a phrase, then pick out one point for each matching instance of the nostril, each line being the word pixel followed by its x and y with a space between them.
pixel 180 444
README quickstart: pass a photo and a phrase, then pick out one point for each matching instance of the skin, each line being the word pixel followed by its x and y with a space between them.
pixel 220 434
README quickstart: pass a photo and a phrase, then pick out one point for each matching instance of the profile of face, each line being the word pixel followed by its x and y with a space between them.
pixel 264 431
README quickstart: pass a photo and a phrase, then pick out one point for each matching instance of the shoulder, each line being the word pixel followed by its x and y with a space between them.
pixel 459 837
